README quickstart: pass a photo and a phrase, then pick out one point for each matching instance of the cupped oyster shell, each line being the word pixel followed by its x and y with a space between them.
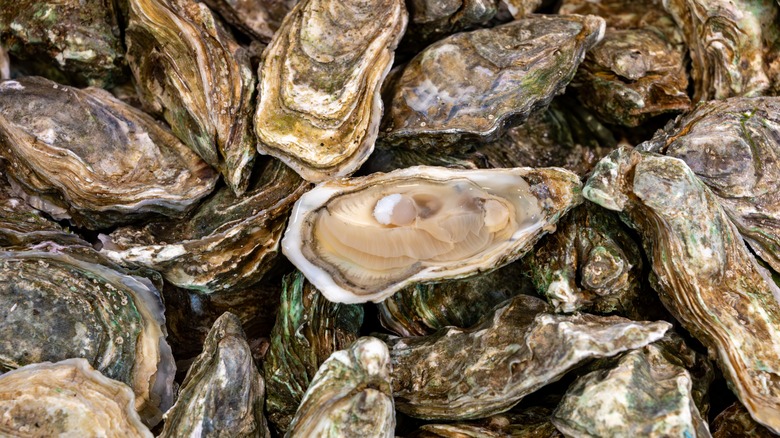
pixel 365 238
pixel 319 106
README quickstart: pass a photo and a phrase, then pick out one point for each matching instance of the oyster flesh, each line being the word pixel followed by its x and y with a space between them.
pixel 363 239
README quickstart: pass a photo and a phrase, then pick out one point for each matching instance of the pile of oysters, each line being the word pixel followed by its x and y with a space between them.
pixel 379 218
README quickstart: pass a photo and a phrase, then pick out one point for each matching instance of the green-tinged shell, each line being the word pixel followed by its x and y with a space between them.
pixel 424 308
pixel 727 42
pixel 308 330
pixel 67 398
pixel 190 70
pixel 228 242
pixel 68 41
pixel 60 304
pixel 533 422
pixel 647 392
pixel 472 86
pixel 350 396
pixel 705 275
pixel 735 421
pixel 319 107
pixel 223 393
pixel 257 18
pixel 75 154
pixel 733 146
pixel 458 374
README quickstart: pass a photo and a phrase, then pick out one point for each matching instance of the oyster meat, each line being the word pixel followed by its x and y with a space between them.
pixel 319 106
pixel 363 239
pixel 66 398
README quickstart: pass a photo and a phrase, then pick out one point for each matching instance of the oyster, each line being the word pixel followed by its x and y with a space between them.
pixel 735 421
pixel 732 146
pixel 350 396
pixel 66 40
pixel 257 18
pixel 75 154
pixel 228 242
pixel 223 392
pixel 474 85
pixel 533 422
pixel 430 20
pixel 66 398
pixel 363 239
pixel 190 70
pixel 703 271
pixel 308 330
pixel 319 107
pixel 458 374
pixel 60 305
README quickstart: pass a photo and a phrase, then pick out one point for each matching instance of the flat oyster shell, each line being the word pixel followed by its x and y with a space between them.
pixel 308 330
pixel 228 242
pixel 350 396
pixel 75 154
pixel 66 398
pixel 448 224
pixel 458 374
pixel 733 146
pixel 66 40
pixel 704 273
pixel 472 86
pixel 735 421
pixel 533 422
pixel 190 70
pixel 319 106
pixel 259 19
pixel 223 392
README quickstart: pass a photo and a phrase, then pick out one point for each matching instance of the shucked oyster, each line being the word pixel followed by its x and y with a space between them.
pixel 319 106
pixel 84 155
pixel 362 239
pixel 705 275
pixel 190 70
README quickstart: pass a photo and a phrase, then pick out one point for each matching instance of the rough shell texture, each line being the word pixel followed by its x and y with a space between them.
pixel 459 374
pixel 472 86
pixel 190 70
pixel 350 396
pixel 533 422
pixel 223 393
pixel 430 20
pixel 257 18
pixel 87 403
pixel 704 273
pixel 735 421
pixel 443 224
pixel 75 154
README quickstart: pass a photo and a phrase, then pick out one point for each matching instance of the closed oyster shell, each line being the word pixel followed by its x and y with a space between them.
pixel 66 398
pixel 350 396
pixel 319 106
pixel 472 86
pixel 223 392
pixel 75 154
pixel 533 422
pixel 60 306
pixel 704 273
pixel 735 421
pixel 257 18
pixel 458 374
pixel 363 239
pixel 190 70
pixel 430 20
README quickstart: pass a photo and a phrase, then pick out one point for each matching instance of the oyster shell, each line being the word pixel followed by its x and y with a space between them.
pixel 65 40
pixel 735 421
pixel 458 374
pixel 60 305
pixel 223 392
pixel 704 273
pixel 430 20
pixel 190 70
pixel 257 18
pixel 66 398
pixel 350 396
pixel 228 242
pixel 308 330
pixel 319 107
pixel 365 238
pixel 533 422
pixel 75 154
pixel 472 86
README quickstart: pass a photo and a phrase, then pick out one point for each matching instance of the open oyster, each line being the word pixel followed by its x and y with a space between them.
pixel 66 398
pixel 75 154
pixel 61 306
pixel 472 86
pixel 363 239
pixel 319 106
pixel 705 275
pixel 189 69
